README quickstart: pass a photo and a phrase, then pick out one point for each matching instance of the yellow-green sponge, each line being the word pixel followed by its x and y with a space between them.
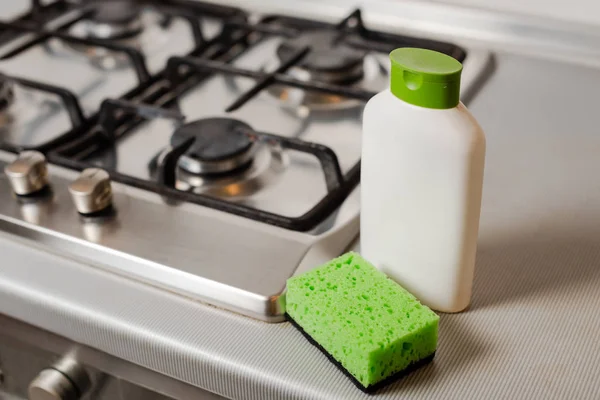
pixel 365 322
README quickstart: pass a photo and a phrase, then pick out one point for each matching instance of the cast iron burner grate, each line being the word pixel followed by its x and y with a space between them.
pixel 350 34
pixel 117 117
pixel 149 87
pixel 338 184
pixel 38 13
pixel 67 98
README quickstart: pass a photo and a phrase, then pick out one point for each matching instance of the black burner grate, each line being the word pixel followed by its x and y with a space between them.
pixel 351 31
pixel 68 99
pixel 38 13
pixel 156 96
pixel 135 56
pixel 33 22
pixel 338 184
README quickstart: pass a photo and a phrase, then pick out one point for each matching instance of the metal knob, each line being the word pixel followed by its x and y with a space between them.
pixel 91 192
pixel 28 173
pixel 65 380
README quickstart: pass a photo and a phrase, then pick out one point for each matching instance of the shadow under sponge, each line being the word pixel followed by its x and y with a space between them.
pixel 366 323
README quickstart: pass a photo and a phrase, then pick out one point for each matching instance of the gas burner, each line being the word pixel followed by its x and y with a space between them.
pixel 119 21
pixel 221 146
pixel 224 161
pixel 332 61
pixel 114 20
pixel 329 60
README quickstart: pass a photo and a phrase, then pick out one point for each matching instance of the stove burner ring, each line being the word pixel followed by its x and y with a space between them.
pixel 114 20
pixel 120 21
pixel 220 146
pixel 330 59
pixel 267 167
pixel 302 102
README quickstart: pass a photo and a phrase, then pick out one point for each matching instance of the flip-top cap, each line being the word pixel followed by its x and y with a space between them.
pixel 425 78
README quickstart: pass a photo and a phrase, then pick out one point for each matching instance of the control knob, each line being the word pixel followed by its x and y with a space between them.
pixel 28 174
pixel 91 192
pixel 65 380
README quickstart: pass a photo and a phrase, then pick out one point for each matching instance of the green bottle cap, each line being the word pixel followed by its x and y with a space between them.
pixel 425 78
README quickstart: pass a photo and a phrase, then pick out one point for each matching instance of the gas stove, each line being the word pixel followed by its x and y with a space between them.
pixel 207 150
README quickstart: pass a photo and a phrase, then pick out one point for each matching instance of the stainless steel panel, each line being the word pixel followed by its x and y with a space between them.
pixel 206 254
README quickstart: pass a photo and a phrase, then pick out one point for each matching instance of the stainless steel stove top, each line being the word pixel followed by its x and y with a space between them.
pixel 232 141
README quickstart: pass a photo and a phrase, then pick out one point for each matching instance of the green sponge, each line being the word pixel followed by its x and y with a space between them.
pixel 366 323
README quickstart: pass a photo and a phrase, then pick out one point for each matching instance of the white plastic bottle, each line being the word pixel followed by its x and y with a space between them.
pixel 422 173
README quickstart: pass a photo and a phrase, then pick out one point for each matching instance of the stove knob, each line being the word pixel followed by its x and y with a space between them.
pixel 28 174
pixel 91 192
pixel 65 380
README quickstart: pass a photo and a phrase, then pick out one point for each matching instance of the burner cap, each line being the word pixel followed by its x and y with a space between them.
pixel 220 145
pixel 114 20
pixel 115 12
pixel 327 54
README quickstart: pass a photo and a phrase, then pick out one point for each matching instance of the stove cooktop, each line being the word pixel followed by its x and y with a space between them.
pixel 220 148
